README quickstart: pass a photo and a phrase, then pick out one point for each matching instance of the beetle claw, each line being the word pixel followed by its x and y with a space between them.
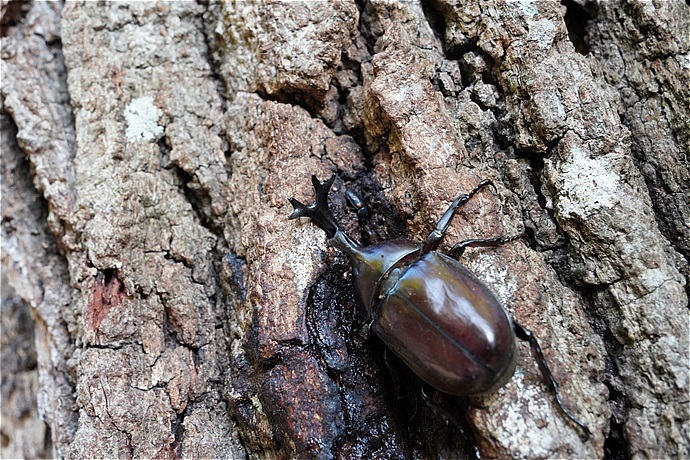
pixel 484 183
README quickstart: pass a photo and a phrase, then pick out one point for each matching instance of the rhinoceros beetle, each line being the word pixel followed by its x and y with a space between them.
pixel 430 310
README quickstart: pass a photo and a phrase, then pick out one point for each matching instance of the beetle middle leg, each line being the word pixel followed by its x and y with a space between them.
pixel 436 236
pixel 526 335
pixel 457 251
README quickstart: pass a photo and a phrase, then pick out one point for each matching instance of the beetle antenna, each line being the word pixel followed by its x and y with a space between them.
pixel 318 211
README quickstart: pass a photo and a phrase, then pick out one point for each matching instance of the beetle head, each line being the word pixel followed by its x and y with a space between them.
pixel 370 264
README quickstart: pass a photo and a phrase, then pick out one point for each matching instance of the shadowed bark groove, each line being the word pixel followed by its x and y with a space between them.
pixel 149 151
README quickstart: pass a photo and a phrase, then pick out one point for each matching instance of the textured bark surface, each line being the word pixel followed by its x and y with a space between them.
pixel 148 152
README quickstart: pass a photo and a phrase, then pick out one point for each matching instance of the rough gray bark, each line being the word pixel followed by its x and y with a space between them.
pixel 148 153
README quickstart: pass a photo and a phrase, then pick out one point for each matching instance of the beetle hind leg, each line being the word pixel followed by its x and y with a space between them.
pixel 526 335
pixel 461 424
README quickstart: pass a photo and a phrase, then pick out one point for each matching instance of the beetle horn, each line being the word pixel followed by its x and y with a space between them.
pixel 318 211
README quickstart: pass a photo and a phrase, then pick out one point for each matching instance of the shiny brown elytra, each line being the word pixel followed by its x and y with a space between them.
pixel 430 310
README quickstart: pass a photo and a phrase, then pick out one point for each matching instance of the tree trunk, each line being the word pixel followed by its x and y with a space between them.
pixel 148 154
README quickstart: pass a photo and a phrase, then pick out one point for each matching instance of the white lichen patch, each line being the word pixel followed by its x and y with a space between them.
pixel 542 31
pixel 527 9
pixel 142 120
pixel 587 184
pixel 495 276
pixel 308 242
pixel 518 431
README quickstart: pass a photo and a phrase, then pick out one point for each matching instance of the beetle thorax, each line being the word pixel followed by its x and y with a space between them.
pixel 371 264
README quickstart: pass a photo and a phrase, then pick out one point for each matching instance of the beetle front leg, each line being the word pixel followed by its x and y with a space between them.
pixel 457 251
pixel 435 237
pixel 526 335
pixel 357 204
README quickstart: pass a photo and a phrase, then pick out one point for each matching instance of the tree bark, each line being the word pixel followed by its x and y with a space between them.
pixel 149 151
